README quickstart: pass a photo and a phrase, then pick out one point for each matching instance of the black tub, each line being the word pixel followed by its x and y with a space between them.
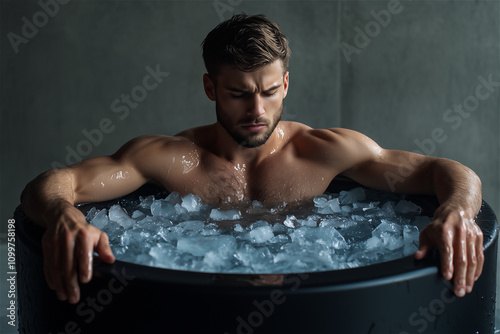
pixel 401 296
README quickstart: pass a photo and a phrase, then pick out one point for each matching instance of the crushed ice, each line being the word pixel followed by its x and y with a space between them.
pixel 335 231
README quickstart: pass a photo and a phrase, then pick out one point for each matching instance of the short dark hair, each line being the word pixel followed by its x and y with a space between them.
pixel 245 42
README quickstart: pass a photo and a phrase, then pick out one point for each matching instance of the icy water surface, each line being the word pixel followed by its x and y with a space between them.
pixel 334 231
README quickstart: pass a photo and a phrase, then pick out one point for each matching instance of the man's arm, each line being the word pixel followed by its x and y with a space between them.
pixel 453 230
pixel 69 241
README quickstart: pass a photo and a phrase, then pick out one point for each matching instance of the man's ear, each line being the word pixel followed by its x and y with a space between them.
pixel 209 86
pixel 285 84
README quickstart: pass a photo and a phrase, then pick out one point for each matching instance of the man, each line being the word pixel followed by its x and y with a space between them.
pixel 249 154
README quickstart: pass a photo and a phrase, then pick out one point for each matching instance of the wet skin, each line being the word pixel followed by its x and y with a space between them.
pixel 249 154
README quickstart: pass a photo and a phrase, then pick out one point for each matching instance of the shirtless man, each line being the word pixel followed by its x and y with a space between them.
pixel 249 154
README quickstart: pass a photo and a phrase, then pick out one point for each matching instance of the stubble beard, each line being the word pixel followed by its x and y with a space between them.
pixel 253 139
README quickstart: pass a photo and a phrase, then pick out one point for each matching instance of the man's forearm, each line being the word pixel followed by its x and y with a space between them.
pixel 46 192
pixel 456 185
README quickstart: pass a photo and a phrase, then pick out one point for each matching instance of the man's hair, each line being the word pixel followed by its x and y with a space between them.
pixel 245 42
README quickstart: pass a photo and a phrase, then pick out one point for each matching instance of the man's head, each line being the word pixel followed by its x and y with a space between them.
pixel 247 59
pixel 245 42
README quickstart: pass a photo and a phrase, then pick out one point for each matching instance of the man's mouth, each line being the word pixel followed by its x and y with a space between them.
pixel 254 127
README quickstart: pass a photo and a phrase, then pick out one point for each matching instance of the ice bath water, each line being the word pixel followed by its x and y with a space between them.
pixel 334 231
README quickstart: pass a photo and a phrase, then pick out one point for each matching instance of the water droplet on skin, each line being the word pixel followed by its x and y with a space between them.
pixel 191 162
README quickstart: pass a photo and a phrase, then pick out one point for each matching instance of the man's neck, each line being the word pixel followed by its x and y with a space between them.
pixel 227 148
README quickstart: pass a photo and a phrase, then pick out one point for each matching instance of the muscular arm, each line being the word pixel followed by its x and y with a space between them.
pixel 69 241
pixel 458 189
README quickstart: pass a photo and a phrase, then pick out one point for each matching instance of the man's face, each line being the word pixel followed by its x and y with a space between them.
pixel 249 105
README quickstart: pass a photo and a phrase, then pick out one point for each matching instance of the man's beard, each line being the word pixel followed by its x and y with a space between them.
pixel 253 139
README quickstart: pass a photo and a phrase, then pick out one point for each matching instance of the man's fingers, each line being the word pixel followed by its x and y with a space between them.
pixel 52 268
pixel 471 264
pixel 421 253
pixel 104 250
pixel 460 259
pixel 479 252
pixel 447 253
pixel 68 267
pixel 84 251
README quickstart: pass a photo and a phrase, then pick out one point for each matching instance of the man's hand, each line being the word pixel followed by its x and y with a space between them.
pixel 460 243
pixel 68 247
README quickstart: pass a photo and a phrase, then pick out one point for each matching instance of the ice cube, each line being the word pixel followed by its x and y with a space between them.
pixel 280 238
pixel 346 208
pixel 146 202
pixel 373 243
pixel 163 208
pixel 320 201
pixel 213 261
pixel 358 218
pixel 120 216
pixel 309 221
pixel 100 219
pixel 387 226
pixel 332 206
pixel 218 214
pixel 411 239
pixel 339 222
pixel 163 255
pixel 91 214
pixel 351 196
pixel 180 210
pixel 390 234
pixel 261 234
pixel 168 234
pixel 389 208
pixel 193 226
pixel 136 237
pixel 411 234
pixel 392 241
pixel 356 233
pixel 405 206
pixel 114 231
pixel 238 228
pixel 138 215
pixel 259 223
pixel 279 228
pixel 174 198
pixel 191 203
pixel 200 245
pixel 291 221
pixel 211 229
pixel 328 236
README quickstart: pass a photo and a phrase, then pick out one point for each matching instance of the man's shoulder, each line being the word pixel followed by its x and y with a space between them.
pixel 158 140
pixel 330 136
pixel 151 144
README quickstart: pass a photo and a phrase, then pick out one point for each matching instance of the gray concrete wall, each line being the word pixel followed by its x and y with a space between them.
pixel 396 85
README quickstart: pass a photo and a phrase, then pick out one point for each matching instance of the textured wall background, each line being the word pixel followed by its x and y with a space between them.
pixel 397 83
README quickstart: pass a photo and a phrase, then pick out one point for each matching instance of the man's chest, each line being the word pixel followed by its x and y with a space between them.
pixel 282 180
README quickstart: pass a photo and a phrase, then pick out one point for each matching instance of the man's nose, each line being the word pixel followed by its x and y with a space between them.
pixel 256 106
